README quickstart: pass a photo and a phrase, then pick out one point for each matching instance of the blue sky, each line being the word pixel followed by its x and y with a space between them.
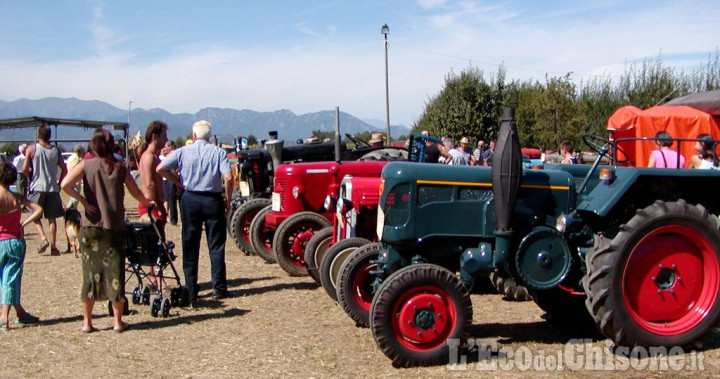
pixel 308 56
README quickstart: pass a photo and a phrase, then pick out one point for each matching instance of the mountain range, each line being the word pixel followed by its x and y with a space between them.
pixel 226 123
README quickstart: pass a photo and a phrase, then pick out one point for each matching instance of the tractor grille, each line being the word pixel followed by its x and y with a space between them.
pixel 281 188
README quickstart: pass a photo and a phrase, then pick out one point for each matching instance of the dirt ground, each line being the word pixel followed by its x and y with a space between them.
pixel 275 325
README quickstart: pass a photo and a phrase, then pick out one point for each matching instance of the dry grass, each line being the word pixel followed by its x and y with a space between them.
pixel 274 325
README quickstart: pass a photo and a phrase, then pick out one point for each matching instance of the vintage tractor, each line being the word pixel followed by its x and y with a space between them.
pixel 356 211
pixel 340 257
pixel 297 209
pixel 255 171
pixel 637 248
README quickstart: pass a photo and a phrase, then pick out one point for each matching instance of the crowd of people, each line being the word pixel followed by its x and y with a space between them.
pixel 198 175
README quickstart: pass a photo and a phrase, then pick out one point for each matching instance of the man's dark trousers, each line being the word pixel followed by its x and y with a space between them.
pixel 198 209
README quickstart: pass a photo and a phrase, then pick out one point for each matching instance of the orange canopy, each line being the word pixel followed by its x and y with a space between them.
pixel 678 120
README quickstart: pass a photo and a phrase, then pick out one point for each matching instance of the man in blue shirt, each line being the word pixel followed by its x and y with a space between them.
pixel 204 169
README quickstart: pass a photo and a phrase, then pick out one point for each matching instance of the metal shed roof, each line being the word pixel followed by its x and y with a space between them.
pixel 34 122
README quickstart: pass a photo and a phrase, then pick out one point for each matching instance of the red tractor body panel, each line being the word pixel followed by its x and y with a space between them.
pixel 304 186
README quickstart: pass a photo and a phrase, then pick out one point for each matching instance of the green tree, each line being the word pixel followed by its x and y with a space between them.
pixel 251 140
pixel 9 148
pixel 649 85
pixel 466 106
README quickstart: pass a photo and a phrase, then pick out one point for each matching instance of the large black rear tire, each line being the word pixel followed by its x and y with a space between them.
pixel 656 282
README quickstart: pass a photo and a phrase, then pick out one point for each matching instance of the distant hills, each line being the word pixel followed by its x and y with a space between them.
pixel 226 123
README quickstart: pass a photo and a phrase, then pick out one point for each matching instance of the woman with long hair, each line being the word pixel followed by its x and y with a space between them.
pixel 102 232
pixel 705 157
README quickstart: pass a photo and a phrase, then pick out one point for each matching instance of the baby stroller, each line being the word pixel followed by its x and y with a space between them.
pixel 148 255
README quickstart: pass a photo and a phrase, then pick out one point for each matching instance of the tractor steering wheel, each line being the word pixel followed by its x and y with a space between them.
pixel 356 141
pixel 592 141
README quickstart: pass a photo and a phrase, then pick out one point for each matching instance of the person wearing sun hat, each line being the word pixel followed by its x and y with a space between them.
pixel 376 140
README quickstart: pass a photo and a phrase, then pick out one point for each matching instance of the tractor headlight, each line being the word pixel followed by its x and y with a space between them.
pixel 297 190
pixel 562 222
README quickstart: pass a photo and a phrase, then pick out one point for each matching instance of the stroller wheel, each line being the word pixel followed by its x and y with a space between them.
pixel 175 296
pixel 137 295
pixel 155 307
pixel 165 307
pixel 146 292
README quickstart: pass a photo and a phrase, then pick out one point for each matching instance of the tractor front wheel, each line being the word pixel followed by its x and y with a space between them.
pixel 332 262
pixel 657 282
pixel 315 250
pixel 261 237
pixel 354 283
pixel 416 311
pixel 291 238
pixel 241 220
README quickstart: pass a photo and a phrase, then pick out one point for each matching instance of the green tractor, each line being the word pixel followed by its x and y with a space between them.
pixel 638 249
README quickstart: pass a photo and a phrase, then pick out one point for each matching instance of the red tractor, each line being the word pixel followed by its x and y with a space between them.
pixel 282 230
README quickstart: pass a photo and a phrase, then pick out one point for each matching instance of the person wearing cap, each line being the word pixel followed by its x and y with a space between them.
pixel 22 179
pixel 376 140
pixel 465 149
pixel 458 158
pixel 204 174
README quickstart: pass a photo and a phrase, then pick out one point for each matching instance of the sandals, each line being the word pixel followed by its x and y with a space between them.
pixel 43 246
pixel 91 330
pixel 54 252
pixel 4 326
pixel 123 327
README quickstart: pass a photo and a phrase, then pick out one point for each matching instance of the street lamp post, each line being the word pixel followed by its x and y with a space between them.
pixel 385 31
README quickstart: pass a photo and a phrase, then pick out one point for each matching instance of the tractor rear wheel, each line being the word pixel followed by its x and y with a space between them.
pixel 333 260
pixel 657 282
pixel 241 220
pixel 261 237
pixel 506 285
pixel 291 238
pixel 416 310
pixel 315 250
pixel 354 283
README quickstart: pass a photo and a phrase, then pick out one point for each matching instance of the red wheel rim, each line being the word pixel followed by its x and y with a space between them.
pixel 670 280
pixel 361 285
pixel 266 239
pixel 295 245
pixel 423 318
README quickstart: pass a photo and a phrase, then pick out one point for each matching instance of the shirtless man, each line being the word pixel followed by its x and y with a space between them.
pixel 152 185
